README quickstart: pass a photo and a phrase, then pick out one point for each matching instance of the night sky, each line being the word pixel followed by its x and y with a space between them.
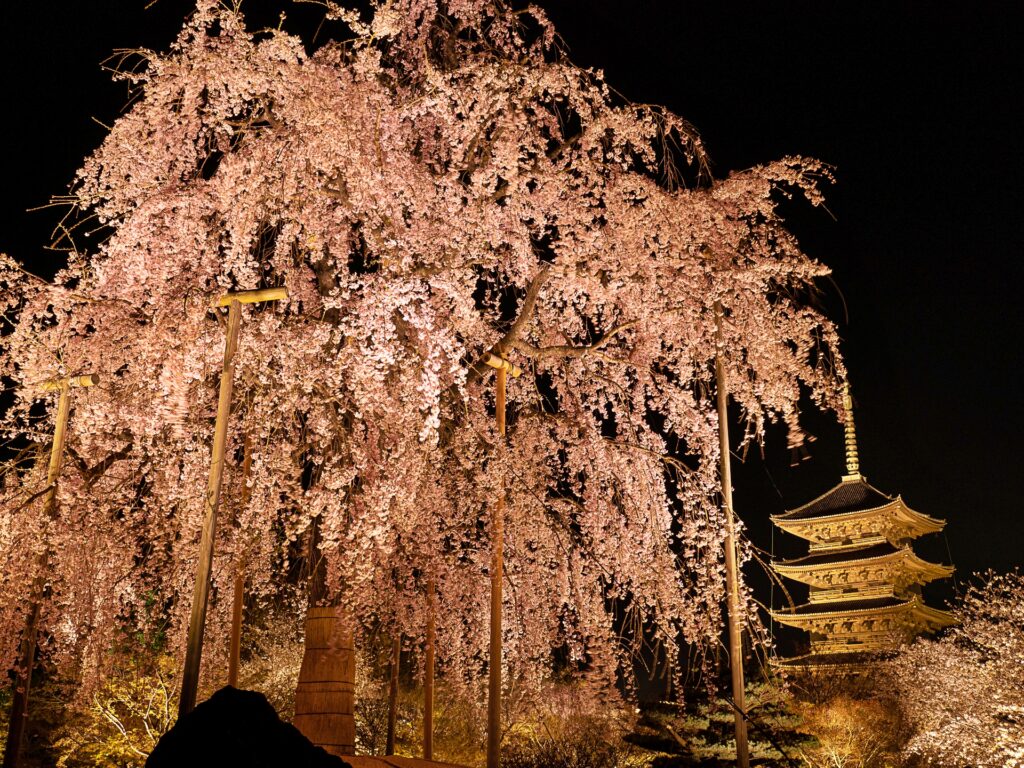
pixel 916 106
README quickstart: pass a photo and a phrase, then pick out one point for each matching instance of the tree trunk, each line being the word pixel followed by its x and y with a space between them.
pixel 325 695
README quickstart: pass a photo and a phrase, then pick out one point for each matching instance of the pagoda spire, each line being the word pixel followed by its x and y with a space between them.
pixel 852 460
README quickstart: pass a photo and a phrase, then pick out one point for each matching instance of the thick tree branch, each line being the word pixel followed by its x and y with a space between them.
pixel 525 311
pixel 32 498
pixel 507 341
pixel 569 350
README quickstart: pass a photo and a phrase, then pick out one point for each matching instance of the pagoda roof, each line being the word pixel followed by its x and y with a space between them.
pixel 840 558
pixel 850 501
pixel 851 495
pixel 841 555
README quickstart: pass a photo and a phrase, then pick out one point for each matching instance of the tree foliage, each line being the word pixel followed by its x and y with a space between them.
pixel 442 184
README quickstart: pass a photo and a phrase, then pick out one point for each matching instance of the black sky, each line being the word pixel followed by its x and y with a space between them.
pixel 915 104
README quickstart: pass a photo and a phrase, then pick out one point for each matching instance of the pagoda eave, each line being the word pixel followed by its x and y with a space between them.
pixel 935 618
pixel 910 612
pixel 810 613
pixel 850 661
pixel 854 489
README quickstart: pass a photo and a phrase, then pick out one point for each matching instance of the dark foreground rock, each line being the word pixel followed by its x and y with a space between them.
pixel 237 728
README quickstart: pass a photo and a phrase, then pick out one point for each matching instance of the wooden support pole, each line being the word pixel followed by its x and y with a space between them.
pixel 23 679
pixel 731 568
pixel 251 297
pixel 201 594
pixel 497 574
pixel 501 364
pixel 238 596
pixel 396 660
pixel 502 368
pixel 428 672
pixel 27 652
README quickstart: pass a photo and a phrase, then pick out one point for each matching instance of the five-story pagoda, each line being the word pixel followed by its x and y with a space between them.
pixel 865 580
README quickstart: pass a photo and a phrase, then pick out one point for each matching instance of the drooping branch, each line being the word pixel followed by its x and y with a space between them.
pixel 97 470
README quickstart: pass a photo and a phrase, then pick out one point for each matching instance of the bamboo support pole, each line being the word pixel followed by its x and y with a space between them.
pixel 428 673
pixel 396 659
pixel 27 652
pixel 201 594
pixel 73 382
pixel 735 625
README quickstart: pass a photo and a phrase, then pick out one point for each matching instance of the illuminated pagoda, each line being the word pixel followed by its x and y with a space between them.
pixel 865 580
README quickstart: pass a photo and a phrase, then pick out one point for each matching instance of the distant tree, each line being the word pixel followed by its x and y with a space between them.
pixel 441 185
pixel 964 692
pixel 850 732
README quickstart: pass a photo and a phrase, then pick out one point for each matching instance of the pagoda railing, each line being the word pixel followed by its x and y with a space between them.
pixel 879 641
pixel 822 547
pixel 850 593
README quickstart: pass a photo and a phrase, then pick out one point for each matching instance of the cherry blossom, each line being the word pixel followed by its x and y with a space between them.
pixel 442 185
pixel 963 693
